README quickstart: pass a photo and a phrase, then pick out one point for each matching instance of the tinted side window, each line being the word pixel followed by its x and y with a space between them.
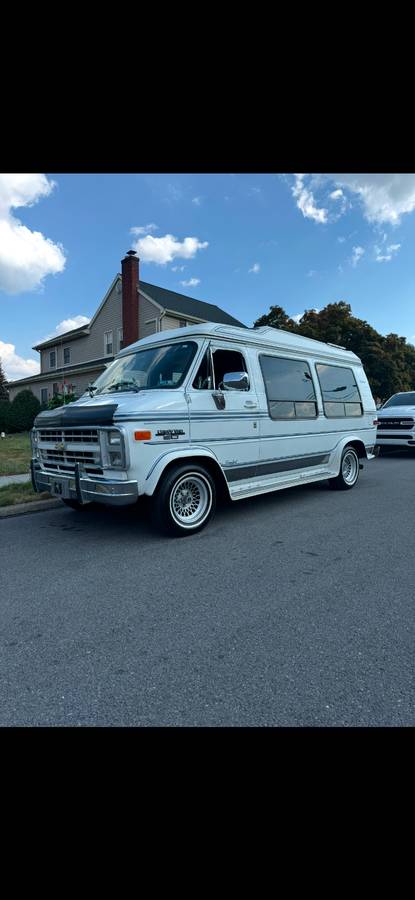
pixel 224 361
pixel 204 378
pixel 340 392
pixel 289 388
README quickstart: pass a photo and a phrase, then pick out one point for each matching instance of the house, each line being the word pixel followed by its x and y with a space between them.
pixel 131 309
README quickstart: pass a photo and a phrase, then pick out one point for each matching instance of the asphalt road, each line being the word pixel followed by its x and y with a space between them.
pixel 295 608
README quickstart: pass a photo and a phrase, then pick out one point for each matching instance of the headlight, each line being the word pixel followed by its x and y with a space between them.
pixel 114 437
pixel 115 458
pixel 34 436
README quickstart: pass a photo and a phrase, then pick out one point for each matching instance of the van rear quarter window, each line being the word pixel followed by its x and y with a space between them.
pixel 339 390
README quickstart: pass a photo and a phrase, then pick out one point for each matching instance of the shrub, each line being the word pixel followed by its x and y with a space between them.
pixel 4 415
pixel 23 411
pixel 60 400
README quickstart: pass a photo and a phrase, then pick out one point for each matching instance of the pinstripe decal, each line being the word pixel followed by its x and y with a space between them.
pixel 239 473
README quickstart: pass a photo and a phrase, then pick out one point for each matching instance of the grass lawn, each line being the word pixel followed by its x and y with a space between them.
pixel 15 454
pixel 20 493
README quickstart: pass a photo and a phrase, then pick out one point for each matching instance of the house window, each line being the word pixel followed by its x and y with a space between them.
pixel 182 323
pixel 52 359
pixel 66 356
pixel 44 396
pixel 55 389
pixel 108 343
pixel 340 392
pixel 120 339
pixel 289 388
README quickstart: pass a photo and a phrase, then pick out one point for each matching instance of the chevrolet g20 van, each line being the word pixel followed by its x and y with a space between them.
pixel 182 416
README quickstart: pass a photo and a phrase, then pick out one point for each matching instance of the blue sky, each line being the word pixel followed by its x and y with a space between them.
pixel 245 242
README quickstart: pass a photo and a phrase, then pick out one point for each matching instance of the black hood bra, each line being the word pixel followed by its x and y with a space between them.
pixel 66 416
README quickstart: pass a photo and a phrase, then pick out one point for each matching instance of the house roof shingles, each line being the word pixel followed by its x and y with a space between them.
pixel 188 306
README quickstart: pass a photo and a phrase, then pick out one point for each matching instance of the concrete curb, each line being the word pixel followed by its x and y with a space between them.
pixel 21 509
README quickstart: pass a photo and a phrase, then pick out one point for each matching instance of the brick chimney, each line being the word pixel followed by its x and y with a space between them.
pixel 129 270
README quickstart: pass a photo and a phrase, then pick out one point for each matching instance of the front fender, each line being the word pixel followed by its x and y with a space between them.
pixel 161 462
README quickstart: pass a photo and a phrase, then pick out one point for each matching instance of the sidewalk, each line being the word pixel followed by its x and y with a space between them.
pixel 13 479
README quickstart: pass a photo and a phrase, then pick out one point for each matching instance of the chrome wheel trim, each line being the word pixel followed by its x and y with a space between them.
pixel 190 500
pixel 350 467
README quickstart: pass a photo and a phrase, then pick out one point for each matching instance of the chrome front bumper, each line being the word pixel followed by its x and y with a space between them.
pixel 82 487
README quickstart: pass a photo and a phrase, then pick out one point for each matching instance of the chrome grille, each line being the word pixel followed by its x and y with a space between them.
pixel 70 435
pixel 84 448
pixel 396 423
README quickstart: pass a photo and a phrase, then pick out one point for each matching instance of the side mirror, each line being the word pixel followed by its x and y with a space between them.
pixel 235 381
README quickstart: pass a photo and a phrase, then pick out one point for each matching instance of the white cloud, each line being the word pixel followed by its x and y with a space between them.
pixel 305 202
pixel 15 366
pixel 391 251
pixel 178 268
pixel 255 268
pixel 385 197
pixel 311 273
pixel 162 250
pixel 26 257
pixel 192 282
pixel 174 194
pixel 69 324
pixel 341 240
pixel 66 325
pixel 144 229
pixel 299 316
pixel 197 201
pixel 357 255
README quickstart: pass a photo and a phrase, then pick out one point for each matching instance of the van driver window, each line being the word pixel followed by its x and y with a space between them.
pixel 223 361
pixel 204 380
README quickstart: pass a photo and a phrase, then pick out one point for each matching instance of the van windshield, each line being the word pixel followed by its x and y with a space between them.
pixel 405 399
pixel 155 368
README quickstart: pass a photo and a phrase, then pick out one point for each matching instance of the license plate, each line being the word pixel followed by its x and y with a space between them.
pixel 60 489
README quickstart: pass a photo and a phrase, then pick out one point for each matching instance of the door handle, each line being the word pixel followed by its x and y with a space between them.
pixel 250 404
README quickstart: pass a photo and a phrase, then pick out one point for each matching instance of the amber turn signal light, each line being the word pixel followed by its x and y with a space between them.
pixel 142 435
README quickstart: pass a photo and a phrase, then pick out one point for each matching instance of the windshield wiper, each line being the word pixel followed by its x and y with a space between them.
pixel 128 385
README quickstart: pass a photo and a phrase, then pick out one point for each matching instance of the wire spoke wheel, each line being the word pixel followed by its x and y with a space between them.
pixel 190 500
pixel 350 467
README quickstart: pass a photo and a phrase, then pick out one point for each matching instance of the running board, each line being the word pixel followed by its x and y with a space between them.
pixel 264 487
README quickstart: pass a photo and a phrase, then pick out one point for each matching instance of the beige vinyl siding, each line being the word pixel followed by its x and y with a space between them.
pixel 91 346
pixel 168 323
pixel 147 313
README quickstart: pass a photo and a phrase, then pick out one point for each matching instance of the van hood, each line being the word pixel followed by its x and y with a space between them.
pixel 107 409
pixel 396 412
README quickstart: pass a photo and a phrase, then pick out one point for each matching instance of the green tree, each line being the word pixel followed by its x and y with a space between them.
pixel 23 411
pixel 4 394
pixel 4 415
pixel 389 361
pixel 276 318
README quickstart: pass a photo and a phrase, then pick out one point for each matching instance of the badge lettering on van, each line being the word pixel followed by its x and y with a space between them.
pixel 169 434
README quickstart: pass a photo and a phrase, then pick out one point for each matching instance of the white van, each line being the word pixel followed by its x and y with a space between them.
pixel 185 415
